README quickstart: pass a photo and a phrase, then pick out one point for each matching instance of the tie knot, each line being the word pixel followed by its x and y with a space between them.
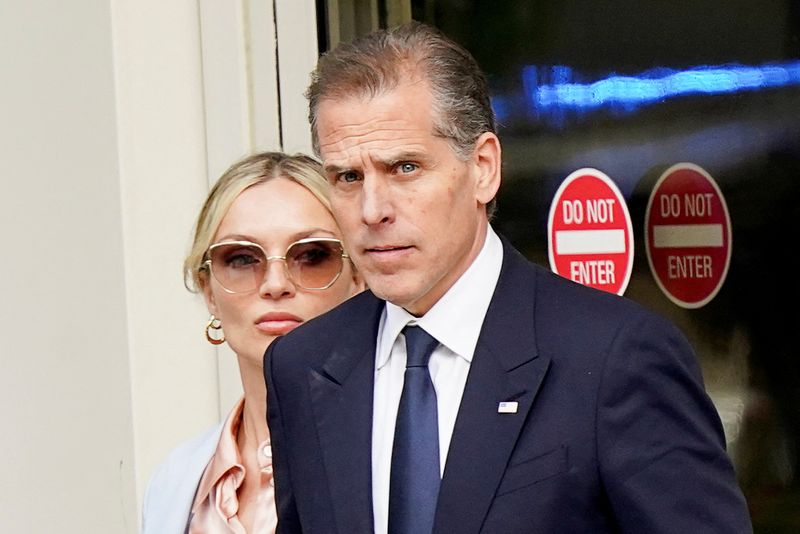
pixel 419 346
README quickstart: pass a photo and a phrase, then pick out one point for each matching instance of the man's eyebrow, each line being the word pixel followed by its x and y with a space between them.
pixel 410 155
pixel 387 162
pixel 334 169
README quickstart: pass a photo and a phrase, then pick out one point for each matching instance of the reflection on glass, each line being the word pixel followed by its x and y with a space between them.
pixel 549 90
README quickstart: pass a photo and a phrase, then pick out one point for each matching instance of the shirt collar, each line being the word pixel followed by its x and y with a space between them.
pixel 456 319
pixel 226 457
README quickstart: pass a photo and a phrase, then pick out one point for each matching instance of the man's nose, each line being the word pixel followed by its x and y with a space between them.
pixel 377 204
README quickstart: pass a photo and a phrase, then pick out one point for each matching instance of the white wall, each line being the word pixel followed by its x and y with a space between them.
pixel 66 455
pixel 115 117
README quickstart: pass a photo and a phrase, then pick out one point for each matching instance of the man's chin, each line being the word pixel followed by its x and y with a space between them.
pixel 389 289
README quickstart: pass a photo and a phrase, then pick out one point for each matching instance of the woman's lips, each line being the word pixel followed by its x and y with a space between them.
pixel 277 323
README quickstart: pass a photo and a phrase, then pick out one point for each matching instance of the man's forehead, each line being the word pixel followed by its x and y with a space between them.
pixel 373 131
pixel 380 132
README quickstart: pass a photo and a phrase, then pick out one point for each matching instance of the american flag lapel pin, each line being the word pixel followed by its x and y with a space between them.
pixel 507 407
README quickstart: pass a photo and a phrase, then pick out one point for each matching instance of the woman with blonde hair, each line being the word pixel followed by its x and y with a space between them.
pixel 266 257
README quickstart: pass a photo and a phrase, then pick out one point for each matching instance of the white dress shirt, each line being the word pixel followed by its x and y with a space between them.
pixel 455 321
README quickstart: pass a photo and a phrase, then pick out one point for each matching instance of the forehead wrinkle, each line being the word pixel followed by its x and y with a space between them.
pixel 372 128
pixel 384 145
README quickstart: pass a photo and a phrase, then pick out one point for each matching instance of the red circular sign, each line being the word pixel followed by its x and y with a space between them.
pixel 590 240
pixel 688 235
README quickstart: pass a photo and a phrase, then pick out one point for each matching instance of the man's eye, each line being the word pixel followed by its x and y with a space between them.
pixel 406 168
pixel 348 176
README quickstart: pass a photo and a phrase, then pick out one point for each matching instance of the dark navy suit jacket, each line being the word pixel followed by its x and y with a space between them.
pixel 613 432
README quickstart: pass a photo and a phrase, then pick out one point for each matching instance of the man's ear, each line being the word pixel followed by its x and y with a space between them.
pixel 486 159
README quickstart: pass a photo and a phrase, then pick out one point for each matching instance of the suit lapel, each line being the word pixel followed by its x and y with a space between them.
pixel 505 367
pixel 341 396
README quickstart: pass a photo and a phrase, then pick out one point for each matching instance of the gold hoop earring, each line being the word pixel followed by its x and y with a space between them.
pixel 215 324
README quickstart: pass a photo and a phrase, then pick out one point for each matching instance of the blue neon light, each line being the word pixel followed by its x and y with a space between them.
pixel 555 89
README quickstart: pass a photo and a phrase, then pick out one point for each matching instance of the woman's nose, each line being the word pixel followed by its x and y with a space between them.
pixel 276 282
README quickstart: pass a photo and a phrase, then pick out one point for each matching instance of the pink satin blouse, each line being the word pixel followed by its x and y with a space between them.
pixel 216 504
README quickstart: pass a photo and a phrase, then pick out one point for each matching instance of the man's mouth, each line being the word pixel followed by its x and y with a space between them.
pixel 387 252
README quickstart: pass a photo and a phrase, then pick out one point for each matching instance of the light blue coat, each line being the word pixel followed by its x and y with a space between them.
pixel 171 489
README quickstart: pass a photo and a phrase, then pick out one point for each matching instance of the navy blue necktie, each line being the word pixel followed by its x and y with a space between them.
pixel 415 479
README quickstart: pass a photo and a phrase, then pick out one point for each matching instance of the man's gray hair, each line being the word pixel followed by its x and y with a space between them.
pixel 376 63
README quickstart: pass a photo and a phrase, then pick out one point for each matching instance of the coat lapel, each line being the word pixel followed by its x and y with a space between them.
pixel 341 397
pixel 506 367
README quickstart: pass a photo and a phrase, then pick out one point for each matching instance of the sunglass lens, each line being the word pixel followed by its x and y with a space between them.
pixel 315 264
pixel 238 268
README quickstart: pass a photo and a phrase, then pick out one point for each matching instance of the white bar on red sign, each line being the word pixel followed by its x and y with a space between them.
pixel 590 241
pixel 687 235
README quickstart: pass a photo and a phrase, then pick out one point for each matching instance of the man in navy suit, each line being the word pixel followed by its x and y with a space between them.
pixel 542 407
